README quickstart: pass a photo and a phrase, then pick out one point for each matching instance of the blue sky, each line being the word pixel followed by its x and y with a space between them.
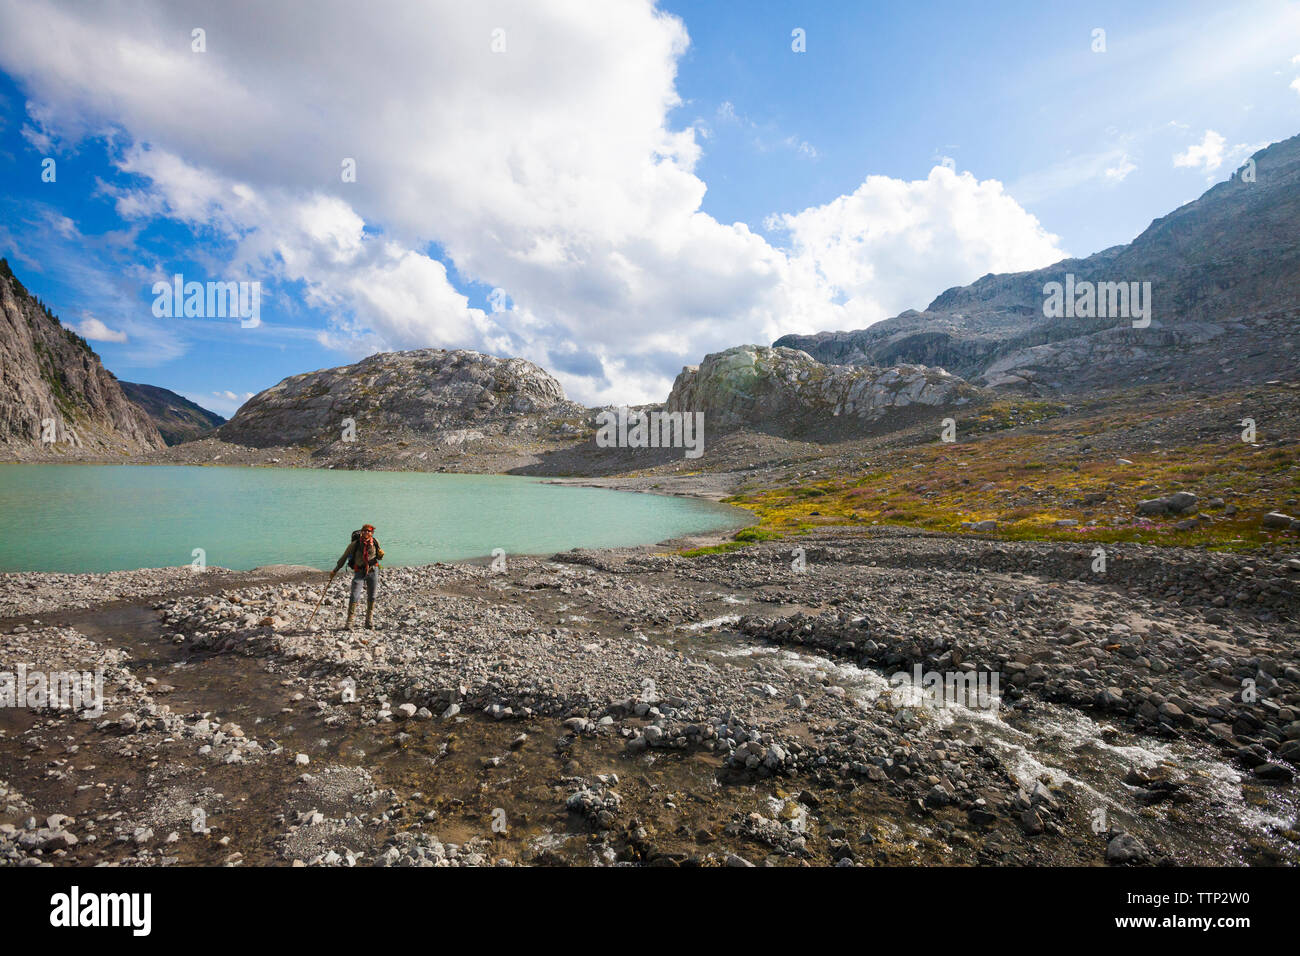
pixel 1011 91
pixel 642 188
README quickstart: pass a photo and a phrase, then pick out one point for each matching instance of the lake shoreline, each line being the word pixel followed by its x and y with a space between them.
pixel 128 517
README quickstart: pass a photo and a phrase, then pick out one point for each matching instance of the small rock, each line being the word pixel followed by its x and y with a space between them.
pixel 1126 848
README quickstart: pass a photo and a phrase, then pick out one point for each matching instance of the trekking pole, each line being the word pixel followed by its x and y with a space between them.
pixel 322 596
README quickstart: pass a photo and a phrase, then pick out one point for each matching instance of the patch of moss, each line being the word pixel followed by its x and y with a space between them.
pixel 715 549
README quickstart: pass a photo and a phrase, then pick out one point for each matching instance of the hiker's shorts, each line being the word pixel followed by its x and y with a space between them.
pixel 371 582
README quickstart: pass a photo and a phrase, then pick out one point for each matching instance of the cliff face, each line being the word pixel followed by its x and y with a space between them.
pixel 448 397
pixel 178 419
pixel 51 376
pixel 1225 282
pixel 786 391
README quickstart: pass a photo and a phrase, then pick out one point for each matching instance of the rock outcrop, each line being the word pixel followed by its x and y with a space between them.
pixel 789 392
pixel 1225 279
pixel 434 395
pixel 53 386
pixel 178 419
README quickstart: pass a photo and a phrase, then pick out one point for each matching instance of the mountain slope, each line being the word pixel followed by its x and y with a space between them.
pixel 449 397
pixel 177 418
pixel 48 374
pixel 1225 282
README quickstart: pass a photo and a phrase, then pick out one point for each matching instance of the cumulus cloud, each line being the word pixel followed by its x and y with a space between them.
pixel 96 331
pixel 875 248
pixel 549 171
pixel 1208 154
pixel 1213 152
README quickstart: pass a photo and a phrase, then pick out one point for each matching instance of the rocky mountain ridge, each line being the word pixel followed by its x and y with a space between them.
pixel 444 397
pixel 56 397
pixel 178 419
pixel 1225 279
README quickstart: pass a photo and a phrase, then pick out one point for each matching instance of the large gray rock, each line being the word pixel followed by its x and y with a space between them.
pixel 787 390
pixel 1225 275
pixel 49 372
pixel 1275 519
pixel 1178 503
pixel 447 397
pixel 1126 848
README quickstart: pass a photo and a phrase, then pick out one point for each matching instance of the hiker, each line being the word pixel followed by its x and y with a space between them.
pixel 363 556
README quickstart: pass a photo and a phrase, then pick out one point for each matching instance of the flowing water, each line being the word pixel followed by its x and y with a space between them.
pixel 84 518
pixel 1229 819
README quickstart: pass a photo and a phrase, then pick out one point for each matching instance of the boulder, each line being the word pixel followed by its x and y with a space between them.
pixel 1275 519
pixel 787 390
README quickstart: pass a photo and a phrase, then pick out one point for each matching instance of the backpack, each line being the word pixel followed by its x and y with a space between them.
pixel 359 562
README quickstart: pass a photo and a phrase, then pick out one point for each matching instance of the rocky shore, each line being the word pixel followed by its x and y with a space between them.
pixel 641 707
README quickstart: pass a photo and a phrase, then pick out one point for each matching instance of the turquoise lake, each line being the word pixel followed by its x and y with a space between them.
pixel 121 517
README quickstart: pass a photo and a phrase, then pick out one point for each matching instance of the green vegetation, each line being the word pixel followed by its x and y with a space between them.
pixel 1030 480
pixel 714 549
pixel 742 538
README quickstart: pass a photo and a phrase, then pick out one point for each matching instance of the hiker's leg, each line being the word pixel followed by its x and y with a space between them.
pixel 372 585
pixel 354 597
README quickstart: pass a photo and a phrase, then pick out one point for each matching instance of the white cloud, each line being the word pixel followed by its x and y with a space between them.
pixel 550 171
pixel 1295 84
pixel 876 247
pixel 96 331
pixel 1119 172
pixel 1208 154
pixel 1213 152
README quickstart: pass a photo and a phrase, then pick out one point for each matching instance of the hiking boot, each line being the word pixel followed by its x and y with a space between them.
pixel 352 608
pixel 370 612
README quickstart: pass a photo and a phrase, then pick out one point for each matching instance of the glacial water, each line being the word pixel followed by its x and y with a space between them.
pixel 82 518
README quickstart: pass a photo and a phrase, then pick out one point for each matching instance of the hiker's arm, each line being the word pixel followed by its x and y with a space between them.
pixel 346 554
pixel 379 552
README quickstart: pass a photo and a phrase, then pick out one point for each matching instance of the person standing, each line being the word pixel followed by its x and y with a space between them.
pixel 363 555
